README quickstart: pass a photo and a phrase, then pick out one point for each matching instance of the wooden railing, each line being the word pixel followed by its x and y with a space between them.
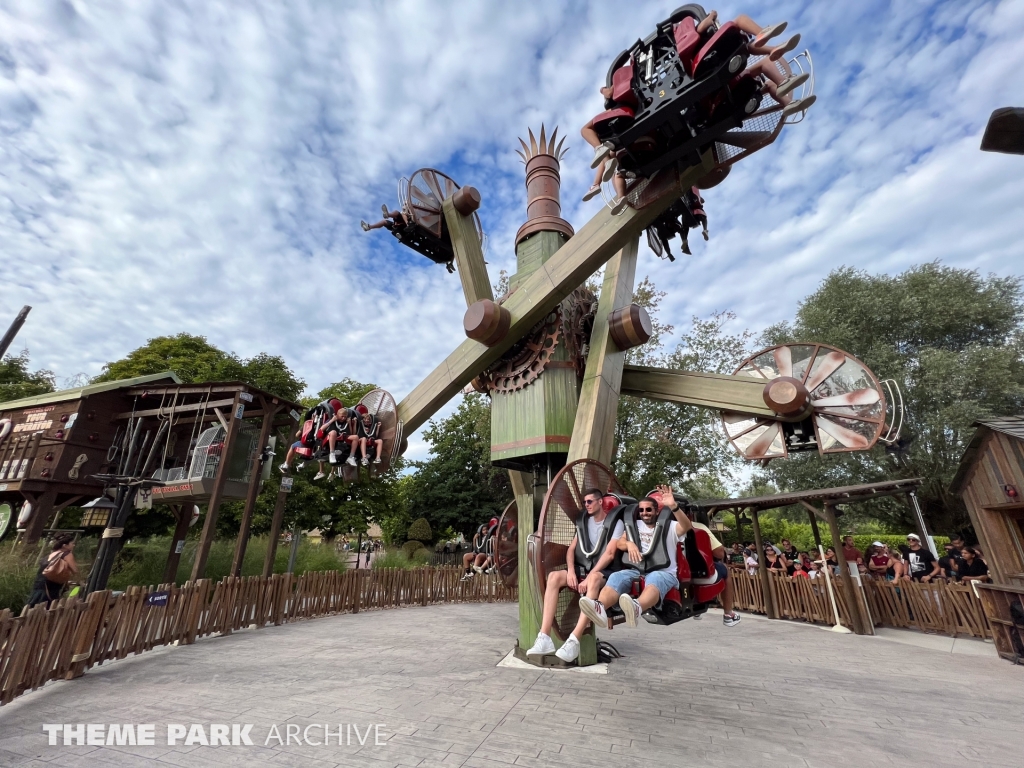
pixel 62 642
pixel 949 609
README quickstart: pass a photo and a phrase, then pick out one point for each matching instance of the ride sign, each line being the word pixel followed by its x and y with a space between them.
pixel 6 514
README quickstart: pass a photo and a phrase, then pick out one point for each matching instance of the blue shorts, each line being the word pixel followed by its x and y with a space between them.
pixel 722 570
pixel 665 581
pixel 297 444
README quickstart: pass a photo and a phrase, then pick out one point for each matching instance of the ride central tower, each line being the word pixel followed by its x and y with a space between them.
pixel 535 387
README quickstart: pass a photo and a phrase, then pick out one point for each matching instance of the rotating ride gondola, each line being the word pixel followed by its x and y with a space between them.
pixel 825 399
pixel 422 226
pixel 506 546
pixel 378 403
pixel 563 504
pixel 676 94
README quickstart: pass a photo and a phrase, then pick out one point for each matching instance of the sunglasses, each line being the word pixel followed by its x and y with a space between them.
pixel 588 502
pixel 647 509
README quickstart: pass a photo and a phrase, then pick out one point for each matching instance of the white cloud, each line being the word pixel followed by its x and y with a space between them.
pixel 203 167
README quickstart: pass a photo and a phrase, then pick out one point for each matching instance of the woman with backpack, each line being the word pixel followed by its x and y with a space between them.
pixel 56 571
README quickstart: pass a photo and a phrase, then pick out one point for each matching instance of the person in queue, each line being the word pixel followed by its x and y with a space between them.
pixel 658 583
pixel 922 564
pixel 601 551
pixel 970 566
pixel 55 571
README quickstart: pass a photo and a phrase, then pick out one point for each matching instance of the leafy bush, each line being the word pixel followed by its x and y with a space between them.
pixel 398 559
pixel 410 548
pixel 420 531
pixel 141 562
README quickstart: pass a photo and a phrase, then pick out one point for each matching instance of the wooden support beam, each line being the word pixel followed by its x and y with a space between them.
pixel 469 256
pixel 275 533
pixel 182 516
pixel 216 495
pixel 762 568
pixel 857 614
pixel 42 508
pixel 251 493
pixel 167 411
pixel 743 394
pixel 601 238
pixel 593 432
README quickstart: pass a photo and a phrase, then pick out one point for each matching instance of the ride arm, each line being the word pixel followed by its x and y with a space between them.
pixel 606 558
pixel 627 546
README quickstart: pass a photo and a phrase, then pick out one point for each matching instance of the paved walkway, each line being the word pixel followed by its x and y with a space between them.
pixel 760 694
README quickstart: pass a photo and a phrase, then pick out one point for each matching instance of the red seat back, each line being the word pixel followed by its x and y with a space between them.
pixel 622 85
pixel 727 30
pixel 687 42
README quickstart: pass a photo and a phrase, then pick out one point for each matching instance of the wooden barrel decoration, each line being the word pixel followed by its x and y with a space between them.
pixel 487 322
pixel 466 200
pixel 630 326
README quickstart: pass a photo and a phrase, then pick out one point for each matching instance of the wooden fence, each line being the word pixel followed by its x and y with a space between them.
pixel 949 609
pixel 64 641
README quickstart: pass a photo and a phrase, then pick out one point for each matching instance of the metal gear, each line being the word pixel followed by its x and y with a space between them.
pixel 525 362
pixel 578 311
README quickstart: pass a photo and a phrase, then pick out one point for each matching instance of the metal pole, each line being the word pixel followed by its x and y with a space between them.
pixel 295 549
pixel 826 569
pixel 921 528
pixel 19 321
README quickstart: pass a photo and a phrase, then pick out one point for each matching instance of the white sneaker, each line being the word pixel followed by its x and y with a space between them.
pixel 478 569
pixel 591 193
pixel 285 468
pixel 769 32
pixel 319 476
pixel 570 649
pixel 352 461
pixel 791 84
pixel 377 460
pixel 333 458
pixel 299 466
pixel 466 576
pixel 601 153
pixel 619 205
pixel 631 608
pixel 798 106
pixel 609 168
pixel 731 619
pixel 365 462
pixel 542 646
pixel 594 611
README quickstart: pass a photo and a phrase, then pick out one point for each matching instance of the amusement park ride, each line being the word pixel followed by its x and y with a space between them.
pixel 550 355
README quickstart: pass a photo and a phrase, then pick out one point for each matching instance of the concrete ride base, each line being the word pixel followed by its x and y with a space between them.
pixel 762 693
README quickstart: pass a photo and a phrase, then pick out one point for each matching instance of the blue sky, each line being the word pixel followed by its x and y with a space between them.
pixel 203 166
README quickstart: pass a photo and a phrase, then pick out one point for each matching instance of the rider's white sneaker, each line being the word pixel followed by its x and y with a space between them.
pixel 594 611
pixel 319 476
pixel 631 608
pixel 366 462
pixel 542 646
pixel 333 458
pixel 285 468
pixel 570 649
pixel 352 461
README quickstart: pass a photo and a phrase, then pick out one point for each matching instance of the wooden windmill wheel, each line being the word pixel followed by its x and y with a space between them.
pixel 557 525
pixel 826 399
pixel 506 546
pixel 422 197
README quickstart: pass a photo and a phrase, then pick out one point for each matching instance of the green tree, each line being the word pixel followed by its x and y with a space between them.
pixel 16 381
pixel 194 359
pixel 420 531
pixel 952 340
pixel 457 486
pixel 660 442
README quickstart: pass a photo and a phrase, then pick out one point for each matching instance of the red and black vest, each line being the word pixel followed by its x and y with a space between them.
pixel 657 557
pixel 589 552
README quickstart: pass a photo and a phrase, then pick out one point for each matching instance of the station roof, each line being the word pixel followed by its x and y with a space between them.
pixel 840 495
pixel 77 393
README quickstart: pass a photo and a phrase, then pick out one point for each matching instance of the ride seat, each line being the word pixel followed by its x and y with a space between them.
pixel 687 43
pixel 622 85
pixel 612 114
pixel 729 29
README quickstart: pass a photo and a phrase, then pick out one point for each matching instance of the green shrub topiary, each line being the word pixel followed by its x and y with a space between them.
pixel 420 531
pixel 410 548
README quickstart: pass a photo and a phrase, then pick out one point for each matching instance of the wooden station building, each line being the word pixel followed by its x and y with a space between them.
pixel 991 480
pixel 211 449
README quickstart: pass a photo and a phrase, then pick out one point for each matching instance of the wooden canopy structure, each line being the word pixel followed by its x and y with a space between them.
pixel 192 444
pixel 819 503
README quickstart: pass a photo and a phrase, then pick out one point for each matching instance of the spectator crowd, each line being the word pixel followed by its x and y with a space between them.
pixel 907 562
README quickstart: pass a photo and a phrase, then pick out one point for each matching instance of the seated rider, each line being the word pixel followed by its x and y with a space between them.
pixel 337 429
pixel 591 558
pixel 391 220
pixel 368 432
pixel 655 551
pixel 476 561
pixel 317 416
pixel 731 618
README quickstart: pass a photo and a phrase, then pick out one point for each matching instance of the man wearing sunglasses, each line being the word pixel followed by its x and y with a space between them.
pixel 657 583
pixel 599 550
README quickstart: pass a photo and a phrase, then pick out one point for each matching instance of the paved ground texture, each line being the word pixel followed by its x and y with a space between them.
pixel 760 694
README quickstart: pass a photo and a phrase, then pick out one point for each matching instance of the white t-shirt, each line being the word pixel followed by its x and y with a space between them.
pixel 594 532
pixel 647 541
pixel 751 563
pixel 715 543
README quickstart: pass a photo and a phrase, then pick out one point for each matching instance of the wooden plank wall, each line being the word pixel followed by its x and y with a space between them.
pixel 948 609
pixel 1000 462
pixel 63 642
